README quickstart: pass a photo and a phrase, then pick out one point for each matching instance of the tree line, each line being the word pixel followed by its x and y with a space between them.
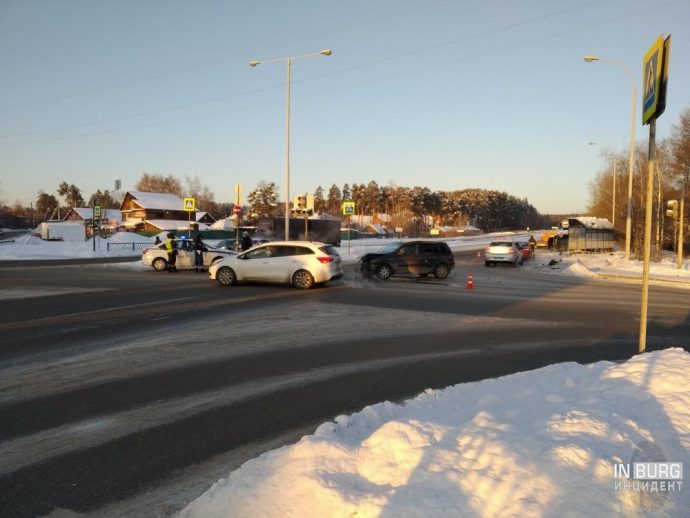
pixel 671 174
pixel 411 209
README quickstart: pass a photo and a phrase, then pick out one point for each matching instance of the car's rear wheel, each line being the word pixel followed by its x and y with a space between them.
pixel 159 264
pixel 302 280
pixel 226 276
pixel 383 272
pixel 441 271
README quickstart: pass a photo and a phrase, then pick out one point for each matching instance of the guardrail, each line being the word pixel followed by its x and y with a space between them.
pixel 128 246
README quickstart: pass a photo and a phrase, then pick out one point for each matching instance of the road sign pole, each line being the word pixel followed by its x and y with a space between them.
pixel 647 235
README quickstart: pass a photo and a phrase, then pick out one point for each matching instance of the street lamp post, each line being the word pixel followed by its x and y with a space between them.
pixel 628 219
pixel 288 61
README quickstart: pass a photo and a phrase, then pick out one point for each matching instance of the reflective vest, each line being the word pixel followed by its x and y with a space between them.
pixel 169 245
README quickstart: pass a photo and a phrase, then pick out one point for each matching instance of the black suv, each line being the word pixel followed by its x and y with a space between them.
pixel 411 257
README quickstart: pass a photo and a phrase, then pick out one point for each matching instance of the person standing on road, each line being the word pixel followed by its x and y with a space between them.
pixel 246 242
pixel 172 253
pixel 532 244
pixel 199 249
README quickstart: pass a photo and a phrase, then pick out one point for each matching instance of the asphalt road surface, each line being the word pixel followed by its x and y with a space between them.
pixel 130 392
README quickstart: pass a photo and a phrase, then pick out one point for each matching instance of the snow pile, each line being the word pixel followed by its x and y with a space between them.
pixel 540 443
pixel 612 264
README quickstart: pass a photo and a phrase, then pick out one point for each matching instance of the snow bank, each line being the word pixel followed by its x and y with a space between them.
pixel 540 443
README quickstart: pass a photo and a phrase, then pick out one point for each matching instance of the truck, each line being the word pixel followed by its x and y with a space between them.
pixel 63 231
pixel 301 229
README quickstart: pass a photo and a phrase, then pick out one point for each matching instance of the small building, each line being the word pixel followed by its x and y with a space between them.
pixel 374 230
pixel 587 233
pixel 205 217
pixel 109 222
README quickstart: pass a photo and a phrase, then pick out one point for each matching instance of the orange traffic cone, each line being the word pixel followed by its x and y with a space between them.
pixel 470 284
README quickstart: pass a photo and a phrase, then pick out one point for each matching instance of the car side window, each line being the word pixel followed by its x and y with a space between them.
pixel 284 251
pixel 303 250
pixel 408 250
pixel 260 253
pixel 429 248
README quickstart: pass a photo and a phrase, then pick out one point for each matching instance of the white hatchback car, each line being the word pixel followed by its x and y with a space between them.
pixel 302 264
pixel 502 252
pixel 157 257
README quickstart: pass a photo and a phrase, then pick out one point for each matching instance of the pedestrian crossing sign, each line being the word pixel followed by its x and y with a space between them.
pixel 651 79
pixel 189 204
pixel 348 208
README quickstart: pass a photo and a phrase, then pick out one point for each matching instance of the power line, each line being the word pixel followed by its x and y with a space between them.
pixel 201 66
pixel 343 87
pixel 320 76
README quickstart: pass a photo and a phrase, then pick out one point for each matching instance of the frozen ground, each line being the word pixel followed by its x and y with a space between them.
pixel 551 442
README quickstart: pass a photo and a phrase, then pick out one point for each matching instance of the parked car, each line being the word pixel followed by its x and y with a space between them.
pixel 502 252
pixel 302 264
pixel 411 257
pixel 157 257
pixel 525 249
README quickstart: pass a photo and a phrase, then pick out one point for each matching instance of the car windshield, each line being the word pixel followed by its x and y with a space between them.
pixel 390 247
pixel 501 243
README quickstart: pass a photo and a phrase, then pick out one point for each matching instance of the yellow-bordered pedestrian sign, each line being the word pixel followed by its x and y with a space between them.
pixel 348 208
pixel 189 204
pixel 651 79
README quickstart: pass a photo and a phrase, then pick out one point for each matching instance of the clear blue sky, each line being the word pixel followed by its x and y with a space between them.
pixel 440 93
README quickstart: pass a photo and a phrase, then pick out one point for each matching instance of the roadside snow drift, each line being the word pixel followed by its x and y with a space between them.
pixel 540 443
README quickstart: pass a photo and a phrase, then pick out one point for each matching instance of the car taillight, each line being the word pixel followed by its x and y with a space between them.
pixel 325 259
pixel 145 250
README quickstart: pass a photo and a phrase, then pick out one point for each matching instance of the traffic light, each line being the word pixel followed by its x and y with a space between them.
pixel 672 210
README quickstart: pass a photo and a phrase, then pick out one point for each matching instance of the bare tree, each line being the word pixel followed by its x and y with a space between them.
pixel 159 183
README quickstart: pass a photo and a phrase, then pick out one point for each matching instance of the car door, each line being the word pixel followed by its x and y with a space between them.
pixel 289 259
pixel 406 259
pixel 427 257
pixel 185 254
pixel 264 264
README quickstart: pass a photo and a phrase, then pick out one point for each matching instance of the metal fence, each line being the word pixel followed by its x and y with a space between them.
pixel 128 246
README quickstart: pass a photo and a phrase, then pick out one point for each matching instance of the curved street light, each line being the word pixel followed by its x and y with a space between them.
pixel 628 219
pixel 288 61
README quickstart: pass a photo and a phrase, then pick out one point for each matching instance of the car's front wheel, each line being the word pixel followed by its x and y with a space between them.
pixel 384 272
pixel 441 271
pixel 226 276
pixel 160 264
pixel 302 280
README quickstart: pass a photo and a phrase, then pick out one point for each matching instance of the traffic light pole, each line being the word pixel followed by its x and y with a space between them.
pixel 681 214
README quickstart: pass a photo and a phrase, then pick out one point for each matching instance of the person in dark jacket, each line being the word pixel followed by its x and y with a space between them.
pixel 246 242
pixel 199 249
pixel 532 244
pixel 172 253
